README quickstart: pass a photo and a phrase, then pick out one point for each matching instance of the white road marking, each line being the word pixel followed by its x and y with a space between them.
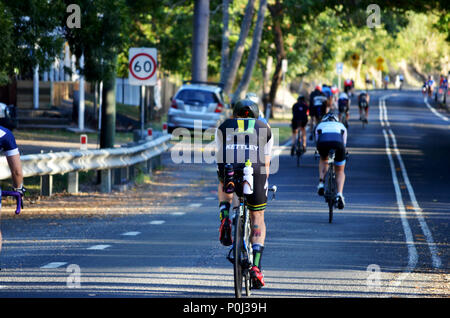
pixel 98 247
pixel 195 205
pixel 436 261
pixel 131 233
pixel 54 265
pixel 157 222
pixel 178 213
pixel 425 100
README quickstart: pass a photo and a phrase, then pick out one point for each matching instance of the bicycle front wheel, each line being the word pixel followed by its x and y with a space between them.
pixel 238 279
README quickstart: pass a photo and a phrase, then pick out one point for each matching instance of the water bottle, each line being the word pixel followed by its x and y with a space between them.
pixel 248 178
pixel 229 179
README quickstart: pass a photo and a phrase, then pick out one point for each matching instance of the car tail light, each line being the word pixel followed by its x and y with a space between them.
pixel 219 108
pixel 174 104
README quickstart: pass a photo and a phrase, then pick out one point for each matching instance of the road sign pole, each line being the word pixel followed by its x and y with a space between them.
pixel 142 109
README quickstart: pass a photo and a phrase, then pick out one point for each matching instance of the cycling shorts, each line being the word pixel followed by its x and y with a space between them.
pixel 296 123
pixel 256 201
pixel 324 148
pixel 363 104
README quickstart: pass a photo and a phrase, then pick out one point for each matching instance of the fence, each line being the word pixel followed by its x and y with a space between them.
pixel 111 163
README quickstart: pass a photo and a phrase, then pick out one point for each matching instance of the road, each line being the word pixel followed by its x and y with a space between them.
pixel 391 240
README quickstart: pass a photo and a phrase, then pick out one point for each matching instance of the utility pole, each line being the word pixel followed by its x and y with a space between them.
pixel 200 41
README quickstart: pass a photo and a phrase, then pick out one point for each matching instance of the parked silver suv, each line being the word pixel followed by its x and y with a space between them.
pixel 197 101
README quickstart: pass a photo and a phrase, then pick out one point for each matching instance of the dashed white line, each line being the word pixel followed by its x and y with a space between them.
pixel 98 247
pixel 195 205
pixel 157 222
pixel 54 265
pixel 131 233
pixel 178 213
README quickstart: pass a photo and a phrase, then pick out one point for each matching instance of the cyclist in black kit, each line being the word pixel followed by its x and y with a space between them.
pixel 300 111
pixel 238 139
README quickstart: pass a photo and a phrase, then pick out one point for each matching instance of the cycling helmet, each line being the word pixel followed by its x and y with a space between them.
pixel 330 117
pixel 319 88
pixel 252 96
pixel 246 108
pixel 343 96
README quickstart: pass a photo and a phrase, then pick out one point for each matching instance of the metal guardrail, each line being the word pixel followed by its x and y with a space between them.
pixel 49 164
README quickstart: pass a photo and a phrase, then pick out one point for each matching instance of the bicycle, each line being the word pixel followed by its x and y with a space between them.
pixel 330 186
pixel 241 252
pixel 17 196
pixel 344 119
pixel 298 147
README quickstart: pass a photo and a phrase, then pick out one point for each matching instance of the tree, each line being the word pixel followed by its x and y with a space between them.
pixel 230 73
pixel 253 56
pixel 33 29
pixel 102 37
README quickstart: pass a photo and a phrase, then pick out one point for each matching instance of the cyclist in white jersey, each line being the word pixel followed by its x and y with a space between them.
pixel 331 134
pixel 9 147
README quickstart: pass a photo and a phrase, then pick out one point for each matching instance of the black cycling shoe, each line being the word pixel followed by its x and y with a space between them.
pixel 340 201
pixel 225 232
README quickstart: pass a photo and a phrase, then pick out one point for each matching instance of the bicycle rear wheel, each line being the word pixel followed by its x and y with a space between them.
pixel 330 210
pixel 237 266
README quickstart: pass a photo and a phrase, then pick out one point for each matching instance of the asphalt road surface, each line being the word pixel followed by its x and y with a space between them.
pixel 391 240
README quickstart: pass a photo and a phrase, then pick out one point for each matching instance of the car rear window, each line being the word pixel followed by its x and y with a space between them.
pixel 192 96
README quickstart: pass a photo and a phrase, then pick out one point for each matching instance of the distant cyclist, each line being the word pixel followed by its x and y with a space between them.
pixel 300 111
pixel 331 134
pixel 9 147
pixel 363 104
pixel 316 101
pixel 344 106
pixel 348 86
pixel 326 89
pixel 430 86
pixel 238 139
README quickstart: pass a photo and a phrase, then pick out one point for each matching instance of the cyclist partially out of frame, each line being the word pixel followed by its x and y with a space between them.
pixel 238 139
pixel 331 134
pixel 9 147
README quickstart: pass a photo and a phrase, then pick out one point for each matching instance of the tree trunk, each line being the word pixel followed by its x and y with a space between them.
pixel 276 11
pixel 239 48
pixel 253 56
pixel 108 128
pixel 200 41
pixel 225 52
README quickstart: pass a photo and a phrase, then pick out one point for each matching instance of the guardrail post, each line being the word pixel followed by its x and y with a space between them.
pixel 105 176
pixel 72 182
pixel 47 185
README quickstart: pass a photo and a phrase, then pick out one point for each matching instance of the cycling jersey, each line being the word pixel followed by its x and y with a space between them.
pixel 332 135
pixel 300 111
pixel 8 142
pixel 343 105
pixel 240 139
pixel 331 131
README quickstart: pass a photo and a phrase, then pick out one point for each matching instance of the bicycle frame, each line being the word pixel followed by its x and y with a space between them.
pixel 331 188
pixel 241 252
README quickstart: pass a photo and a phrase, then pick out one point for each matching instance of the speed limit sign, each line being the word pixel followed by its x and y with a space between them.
pixel 142 66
